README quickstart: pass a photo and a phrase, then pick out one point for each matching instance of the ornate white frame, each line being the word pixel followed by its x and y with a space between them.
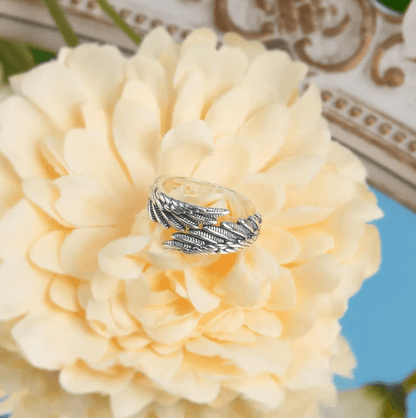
pixel 354 51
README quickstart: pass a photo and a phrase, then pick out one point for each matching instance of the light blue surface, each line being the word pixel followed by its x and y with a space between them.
pixel 380 323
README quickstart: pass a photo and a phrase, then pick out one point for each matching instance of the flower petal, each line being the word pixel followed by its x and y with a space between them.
pixel 20 226
pixel 157 42
pixel 192 387
pixel 228 112
pixel 156 315
pixel 369 251
pixel 51 339
pixel 22 286
pixel 325 189
pixel 22 127
pixel 282 244
pixel 346 162
pixel 228 321
pixel 242 336
pixel 152 74
pixel 199 37
pixel 251 48
pixel 121 315
pixel 133 342
pixel 313 242
pixel 300 216
pixel 321 274
pixel 79 378
pixel 173 331
pixel 222 70
pixel 267 355
pixel 44 193
pixel 51 88
pixel 297 171
pixel 113 258
pixel 131 400
pixel 97 70
pixel 219 168
pixel 46 250
pixel 264 133
pixel 52 149
pixel 136 131
pixel 266 193
pixel 308 133
pixel 272 76
pixel 138 292
pixel 10 186
pixel 189 99
pixel 262 389
pixel 85 202
pixel 104 286
pixel 63 292
pixel 101 320
pixel 344 361
pixel 240 287
pixel 306 111
pixel 283 292
pixel 80 145
pixel 203 300
pixel 184 147
pixel 79 252
pixel 6 339
pixel 96 119
pixel 263 322
pixel 152 364
pixel 139 92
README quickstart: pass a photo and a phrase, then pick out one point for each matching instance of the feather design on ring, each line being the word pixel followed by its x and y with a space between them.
pixel 198 232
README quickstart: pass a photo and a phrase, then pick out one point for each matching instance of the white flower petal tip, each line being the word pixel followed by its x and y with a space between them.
pixel 97 319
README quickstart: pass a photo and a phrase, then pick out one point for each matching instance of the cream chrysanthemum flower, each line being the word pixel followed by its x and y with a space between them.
pixel 96 319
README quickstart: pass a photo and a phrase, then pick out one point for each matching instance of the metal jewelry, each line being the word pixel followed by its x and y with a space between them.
pixel 197 226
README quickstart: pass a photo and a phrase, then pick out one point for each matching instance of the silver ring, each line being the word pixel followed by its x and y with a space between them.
pixel 199 228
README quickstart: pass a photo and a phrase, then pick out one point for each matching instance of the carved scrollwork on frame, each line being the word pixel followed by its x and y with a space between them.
pixel 367 30
pixel 302 17
pixel 393 76
pixel 338 29
pixel 224 22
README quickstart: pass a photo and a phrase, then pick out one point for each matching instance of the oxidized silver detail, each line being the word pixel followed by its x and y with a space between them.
pixel 197 226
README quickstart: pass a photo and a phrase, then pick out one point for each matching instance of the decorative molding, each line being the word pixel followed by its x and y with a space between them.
pixel 374 127
pixel 353 47
pixel 393 76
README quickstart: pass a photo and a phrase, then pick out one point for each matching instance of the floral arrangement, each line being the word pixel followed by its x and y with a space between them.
pixel 97 320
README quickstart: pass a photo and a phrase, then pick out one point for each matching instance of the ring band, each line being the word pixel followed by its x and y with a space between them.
pixel 197 226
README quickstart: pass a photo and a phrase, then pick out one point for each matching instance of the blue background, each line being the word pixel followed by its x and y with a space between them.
pixel 380 323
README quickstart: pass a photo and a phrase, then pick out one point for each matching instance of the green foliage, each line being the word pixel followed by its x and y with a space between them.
pixel 15 57
pixel 18 57
pixel 61 22
pixel 41 55
pixel 394 399
pixel 118 20
pixel 397 5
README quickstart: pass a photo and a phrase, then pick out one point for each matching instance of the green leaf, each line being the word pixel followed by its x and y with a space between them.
pixel 118 20
pixel 397 5
pixel 61 22
pixel 41 55
pixel 409 383
pixel 15 57
pixel 394 399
